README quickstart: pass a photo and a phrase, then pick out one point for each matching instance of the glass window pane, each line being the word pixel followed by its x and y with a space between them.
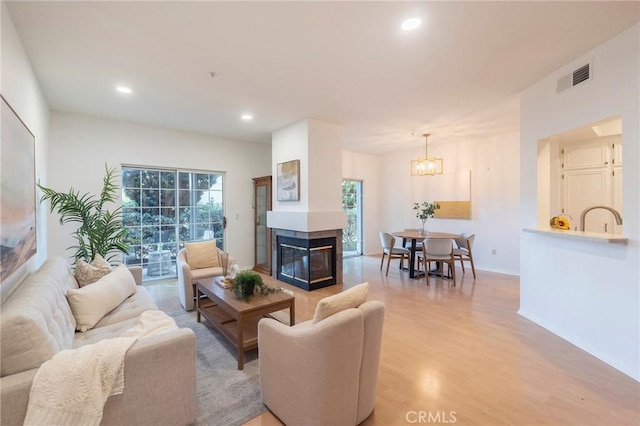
pixel 150 217
pixel 130 178
pixel 183 179
pixel 184 198
pixel 131 197
pixel 201 181
pixel 150 234
pixel 134 236
pixel 168 180
pixel 168 234
pixel 150 198
pixel 168 216
pixel 150 179
pixel 168 197
pixel 131 217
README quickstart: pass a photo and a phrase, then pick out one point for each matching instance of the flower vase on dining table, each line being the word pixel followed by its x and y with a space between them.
pixel 423 228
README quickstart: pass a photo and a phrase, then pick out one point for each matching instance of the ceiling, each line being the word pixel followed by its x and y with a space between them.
pixel 457 76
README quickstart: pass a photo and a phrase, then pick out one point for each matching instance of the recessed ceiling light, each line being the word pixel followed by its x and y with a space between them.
pixel 411 24
pixel 123 89
pixel 247 117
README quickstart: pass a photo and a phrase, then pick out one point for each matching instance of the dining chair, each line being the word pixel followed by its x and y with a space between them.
pixel 438 250
pixel 388 249
pixel 463 252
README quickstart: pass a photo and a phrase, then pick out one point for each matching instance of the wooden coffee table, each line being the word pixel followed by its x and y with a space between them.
pixel 237 320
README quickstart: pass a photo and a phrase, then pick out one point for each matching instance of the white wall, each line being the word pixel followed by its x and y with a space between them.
pixel 290 143
pixel 367 169
pixel 20 88
pixel 585 292
pixel 318 147
pixel 495 176
pixel 80 146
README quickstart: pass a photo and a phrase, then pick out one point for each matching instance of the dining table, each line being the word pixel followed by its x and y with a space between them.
pixel 415 236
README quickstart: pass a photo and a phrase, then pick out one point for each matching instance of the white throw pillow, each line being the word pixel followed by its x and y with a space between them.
pixel 203 254
pixel 351 298
pixel 89 304
pixel 88 273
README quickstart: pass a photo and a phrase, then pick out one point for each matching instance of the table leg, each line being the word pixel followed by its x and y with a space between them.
pixel 197 304
pixel 292 313
pixel 240 348
pixel 412 259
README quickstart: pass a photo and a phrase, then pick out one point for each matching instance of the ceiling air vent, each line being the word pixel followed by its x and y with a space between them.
pixel 578 76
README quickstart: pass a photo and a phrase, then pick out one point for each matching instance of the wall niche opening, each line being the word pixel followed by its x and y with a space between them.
pixel 580 178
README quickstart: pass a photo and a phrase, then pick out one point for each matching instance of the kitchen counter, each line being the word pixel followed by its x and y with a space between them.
pixel 580 235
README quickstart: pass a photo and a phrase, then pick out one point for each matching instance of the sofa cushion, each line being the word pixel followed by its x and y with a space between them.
pixel 90 303
pixel 132 307
pixel 36 320
pixel 110 331
pixel 351 298
pixel 197 274
pixel 202 254
pixel 88 273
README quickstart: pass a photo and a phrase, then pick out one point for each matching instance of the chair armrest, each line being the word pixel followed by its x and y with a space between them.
pixel 14 396
pixel 185 284
pixel 159 384
pixel 136 271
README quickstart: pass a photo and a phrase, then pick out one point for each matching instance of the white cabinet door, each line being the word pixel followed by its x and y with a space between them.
pixel 582 189
pixel 586 155
pixel 592 176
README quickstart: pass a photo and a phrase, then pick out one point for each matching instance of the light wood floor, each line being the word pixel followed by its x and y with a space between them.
pixel 465 349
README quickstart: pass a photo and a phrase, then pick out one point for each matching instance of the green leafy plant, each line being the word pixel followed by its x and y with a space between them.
pixel 247 283
pixel 100 230
pixel 425 211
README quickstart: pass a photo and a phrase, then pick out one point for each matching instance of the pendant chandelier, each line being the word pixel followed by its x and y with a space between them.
pixel 427 166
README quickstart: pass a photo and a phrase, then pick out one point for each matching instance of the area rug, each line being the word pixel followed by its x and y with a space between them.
pixel 226 396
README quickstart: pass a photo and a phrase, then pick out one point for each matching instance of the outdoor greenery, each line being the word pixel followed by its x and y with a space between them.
pixel 163 209
pixel 100 230
pixel 349 205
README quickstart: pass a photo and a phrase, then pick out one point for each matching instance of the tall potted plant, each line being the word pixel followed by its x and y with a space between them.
pixel 100 230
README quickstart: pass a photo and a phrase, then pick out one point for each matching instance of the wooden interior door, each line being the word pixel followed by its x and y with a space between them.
pixel 262 237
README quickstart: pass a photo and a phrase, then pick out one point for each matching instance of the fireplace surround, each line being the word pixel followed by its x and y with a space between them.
pixel 309 260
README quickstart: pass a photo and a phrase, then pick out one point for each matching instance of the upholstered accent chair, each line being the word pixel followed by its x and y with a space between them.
pixel 196 261
pixel 323 371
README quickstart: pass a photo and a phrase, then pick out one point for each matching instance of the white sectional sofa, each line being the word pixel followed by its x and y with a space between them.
pixel 37 322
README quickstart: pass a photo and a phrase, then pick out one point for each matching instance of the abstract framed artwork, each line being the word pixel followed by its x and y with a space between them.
pixel 18 201
pixel 288 181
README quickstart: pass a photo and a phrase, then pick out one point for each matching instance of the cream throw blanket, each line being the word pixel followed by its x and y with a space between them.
pixel 72 387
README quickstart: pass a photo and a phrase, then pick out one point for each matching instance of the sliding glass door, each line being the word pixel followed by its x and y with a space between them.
pixel 352 205
pixel 163 208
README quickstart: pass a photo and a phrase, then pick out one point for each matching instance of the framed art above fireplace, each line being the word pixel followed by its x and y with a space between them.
pixel 288 181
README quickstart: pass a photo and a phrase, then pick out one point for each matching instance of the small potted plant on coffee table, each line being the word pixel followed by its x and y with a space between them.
pixel 246 283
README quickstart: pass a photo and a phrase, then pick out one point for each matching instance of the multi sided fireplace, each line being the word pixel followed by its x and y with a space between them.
pixel 307 262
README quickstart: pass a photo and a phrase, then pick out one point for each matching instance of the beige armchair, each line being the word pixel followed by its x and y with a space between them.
pixel 323 372
pixel 196 261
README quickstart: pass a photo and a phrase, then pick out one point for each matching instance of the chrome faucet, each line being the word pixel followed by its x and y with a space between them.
pixel 615 212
